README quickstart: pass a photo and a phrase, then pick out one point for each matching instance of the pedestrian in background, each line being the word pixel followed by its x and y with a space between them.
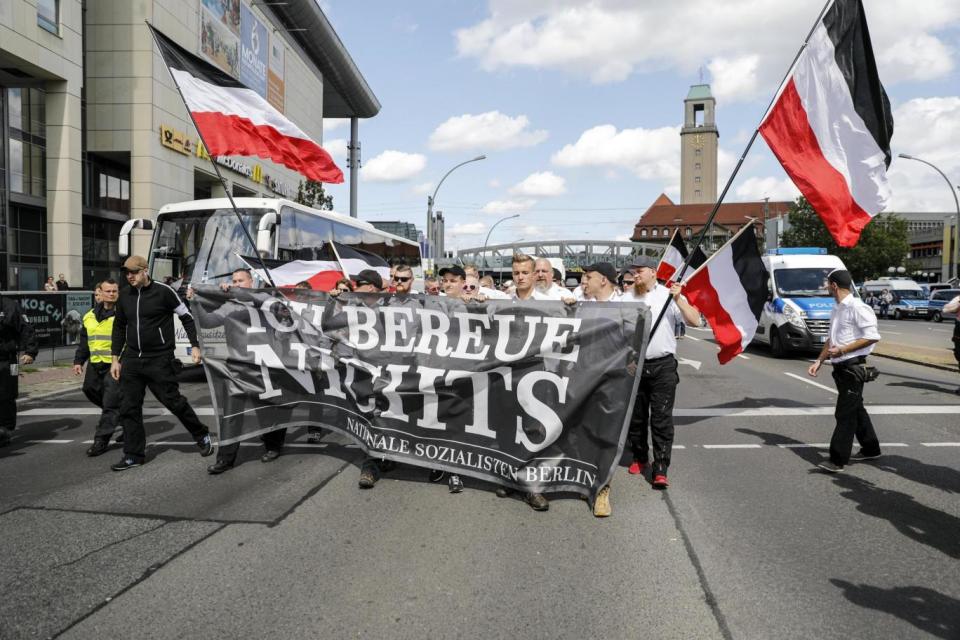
pixel 99 386
pixel 144 342
pixel 62 284
pixel 853 334
pixel 954 307
pixel 16 334
pixel 49 284
pixel 885 299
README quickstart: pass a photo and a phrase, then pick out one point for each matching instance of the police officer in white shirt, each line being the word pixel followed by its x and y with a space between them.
pixel 853 334
pixel 653 409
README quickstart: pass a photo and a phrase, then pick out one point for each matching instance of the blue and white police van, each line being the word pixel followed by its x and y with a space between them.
pixel 909 300
pixel 796 316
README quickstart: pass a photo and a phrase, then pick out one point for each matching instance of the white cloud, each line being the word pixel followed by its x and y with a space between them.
pixel 332 124
pixel 609 40
pixel 490 131
pixel 337 148
pixel 423 188
pixel 756 189
pixel 543 184
pixel 928 128
pixel 508 206
pixel 393 166
pixel 651 154
pixel 494 184
pixel 468 229
pixel 530 232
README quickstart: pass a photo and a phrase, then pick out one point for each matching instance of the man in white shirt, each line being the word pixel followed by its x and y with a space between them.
pixel 954 307
pixel 599 283
pixel 545 280
pixel 653 409
pixel 853 334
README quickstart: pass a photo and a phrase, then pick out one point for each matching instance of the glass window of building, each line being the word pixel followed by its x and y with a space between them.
pixel 107 185
pixel 48 15
pixel 653 233
pixel 26 118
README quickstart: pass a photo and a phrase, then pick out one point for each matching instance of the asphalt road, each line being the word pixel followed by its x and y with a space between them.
pixel 750 541
pixel 922 333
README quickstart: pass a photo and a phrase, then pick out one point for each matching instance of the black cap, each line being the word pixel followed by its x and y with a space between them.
pixel 369 276
pixel 644 261
pixel 841 278
pixel 605 269
pixel 454 270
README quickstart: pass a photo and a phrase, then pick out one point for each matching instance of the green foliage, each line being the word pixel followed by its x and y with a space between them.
pixel 311 193
pixel 883 242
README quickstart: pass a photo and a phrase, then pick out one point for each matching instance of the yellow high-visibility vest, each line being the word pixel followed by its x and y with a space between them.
pixel 99 336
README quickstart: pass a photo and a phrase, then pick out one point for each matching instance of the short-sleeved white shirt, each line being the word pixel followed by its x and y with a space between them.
pixel 664 341
pixel 850 320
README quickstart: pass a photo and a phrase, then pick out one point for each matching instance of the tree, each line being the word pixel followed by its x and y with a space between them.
pixel 311 193
pixel 882 244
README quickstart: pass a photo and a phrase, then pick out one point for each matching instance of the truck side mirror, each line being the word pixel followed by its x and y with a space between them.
pixel 127 229
pixel 265 233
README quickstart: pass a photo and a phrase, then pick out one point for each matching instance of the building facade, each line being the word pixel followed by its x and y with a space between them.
pixel 406 230
pixel 95 133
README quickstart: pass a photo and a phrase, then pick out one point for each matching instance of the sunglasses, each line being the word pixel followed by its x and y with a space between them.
pixel 469 287
pixel 133 272
pixel 629 282
pixel 399 279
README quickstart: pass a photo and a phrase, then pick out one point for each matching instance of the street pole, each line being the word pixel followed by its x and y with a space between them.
pixel 432 199
pixel 484 252
pixel 954 259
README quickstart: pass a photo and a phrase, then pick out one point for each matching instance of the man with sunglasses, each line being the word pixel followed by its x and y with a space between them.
pixel 143 336
pixel 403 280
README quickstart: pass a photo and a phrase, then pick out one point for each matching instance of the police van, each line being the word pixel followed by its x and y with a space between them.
pixel 909 300
pixel 796 317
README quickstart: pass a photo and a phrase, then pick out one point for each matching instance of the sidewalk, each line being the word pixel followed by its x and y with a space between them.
pixel 38 382
pixel 940 357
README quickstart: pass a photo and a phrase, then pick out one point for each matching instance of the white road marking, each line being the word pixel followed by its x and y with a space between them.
pixel 816 384
pixel 733 446
pixel 693 363
pixel 940 444
pixel 767 412
pixel 94 411
pixel 893 333
pixel 695 339
pixel 743 357
pixel 804 445
pixel 49 441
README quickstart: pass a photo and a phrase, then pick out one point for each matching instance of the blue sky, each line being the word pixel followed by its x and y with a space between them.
pixel 577 105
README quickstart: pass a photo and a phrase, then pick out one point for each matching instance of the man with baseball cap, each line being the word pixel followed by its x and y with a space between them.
pixel 600 283
pixel 368 281
pixel 853 334
pixel 143 345
pixel 653 409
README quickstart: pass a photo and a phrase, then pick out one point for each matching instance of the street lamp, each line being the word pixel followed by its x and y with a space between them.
pixel 486 263
pixel 955 261
pixel 432 199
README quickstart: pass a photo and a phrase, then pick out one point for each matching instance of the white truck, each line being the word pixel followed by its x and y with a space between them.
pixel 796 317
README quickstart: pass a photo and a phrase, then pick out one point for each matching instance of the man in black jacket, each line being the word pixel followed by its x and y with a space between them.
pixel 15 331
pixel 144 341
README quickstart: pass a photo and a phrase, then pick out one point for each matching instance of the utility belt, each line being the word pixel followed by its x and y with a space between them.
pixel 656 360
pixel 858 367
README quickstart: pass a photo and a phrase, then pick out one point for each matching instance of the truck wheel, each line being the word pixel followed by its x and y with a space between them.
pixel 937 317
pixel 896 314
pixel 777 349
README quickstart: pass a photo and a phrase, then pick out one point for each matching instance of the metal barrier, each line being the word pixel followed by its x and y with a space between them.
pixel 57 318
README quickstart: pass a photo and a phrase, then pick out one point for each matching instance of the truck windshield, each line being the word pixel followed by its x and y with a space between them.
pixel 807 282
pixel 176 257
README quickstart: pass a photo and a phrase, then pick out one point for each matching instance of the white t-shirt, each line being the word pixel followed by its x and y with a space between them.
pixel 664 341
pixel 850 320
pixel 537 294
pixel 493 294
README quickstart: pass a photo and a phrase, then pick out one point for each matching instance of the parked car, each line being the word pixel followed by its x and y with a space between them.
pixel 938 299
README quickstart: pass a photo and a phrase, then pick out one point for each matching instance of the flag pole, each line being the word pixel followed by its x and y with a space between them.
pixel 736 169
pixel 216 167
pixel 336 254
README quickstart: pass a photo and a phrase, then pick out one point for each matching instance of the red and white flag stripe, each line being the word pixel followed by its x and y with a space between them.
pixel 235 120
pixel 730 290
pixel 672 258
pixel 831 125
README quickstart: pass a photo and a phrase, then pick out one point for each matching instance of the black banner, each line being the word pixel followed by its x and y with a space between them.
pixel 532 395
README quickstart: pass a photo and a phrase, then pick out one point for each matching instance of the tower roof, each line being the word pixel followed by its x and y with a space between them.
pixel 699 92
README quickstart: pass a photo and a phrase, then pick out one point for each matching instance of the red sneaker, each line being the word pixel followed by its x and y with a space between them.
pixel 660 481
pixel 637 468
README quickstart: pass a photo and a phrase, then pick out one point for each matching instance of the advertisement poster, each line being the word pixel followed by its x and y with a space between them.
pixel 218 43
pixel 226 11
pixel 57 318
pixel 275 86
pixel 254 42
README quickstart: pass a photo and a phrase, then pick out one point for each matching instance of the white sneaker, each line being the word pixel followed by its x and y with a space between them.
pixel 829 467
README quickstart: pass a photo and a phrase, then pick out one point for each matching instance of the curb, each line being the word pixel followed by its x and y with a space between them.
pixel 46 394
pixel 932 365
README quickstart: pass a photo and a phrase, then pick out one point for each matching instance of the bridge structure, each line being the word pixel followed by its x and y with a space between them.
pixel 576 254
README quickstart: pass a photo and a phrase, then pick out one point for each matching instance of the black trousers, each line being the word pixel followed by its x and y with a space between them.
pixel 272 441
pixel 160 375
pixel 102 390
pixel 653 412
pixel 852 418
pixel 9 388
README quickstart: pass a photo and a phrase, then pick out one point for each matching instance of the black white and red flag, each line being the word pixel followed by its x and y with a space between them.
pixel 235 120
pixel 322 270
pixel 730 289
pixel 830 127
pixel 674 256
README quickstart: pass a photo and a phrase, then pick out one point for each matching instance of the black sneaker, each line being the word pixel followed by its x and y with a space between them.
pixel 369 474
pixel 503 492
pixel 436 475
pixel 5 436
pixel 860 456
pixel 219 467
pixel 126 463
pixel 99 447
pixel 538 501
pixel 206 445
pixel 455 483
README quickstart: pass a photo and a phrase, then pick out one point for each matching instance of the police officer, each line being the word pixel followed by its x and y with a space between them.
pixel 15 331
pixel 653 409
pixel 853 334
pixel 142 348
pixel 98 385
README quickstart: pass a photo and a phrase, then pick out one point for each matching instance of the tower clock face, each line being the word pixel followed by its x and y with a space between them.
pixel 698 141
